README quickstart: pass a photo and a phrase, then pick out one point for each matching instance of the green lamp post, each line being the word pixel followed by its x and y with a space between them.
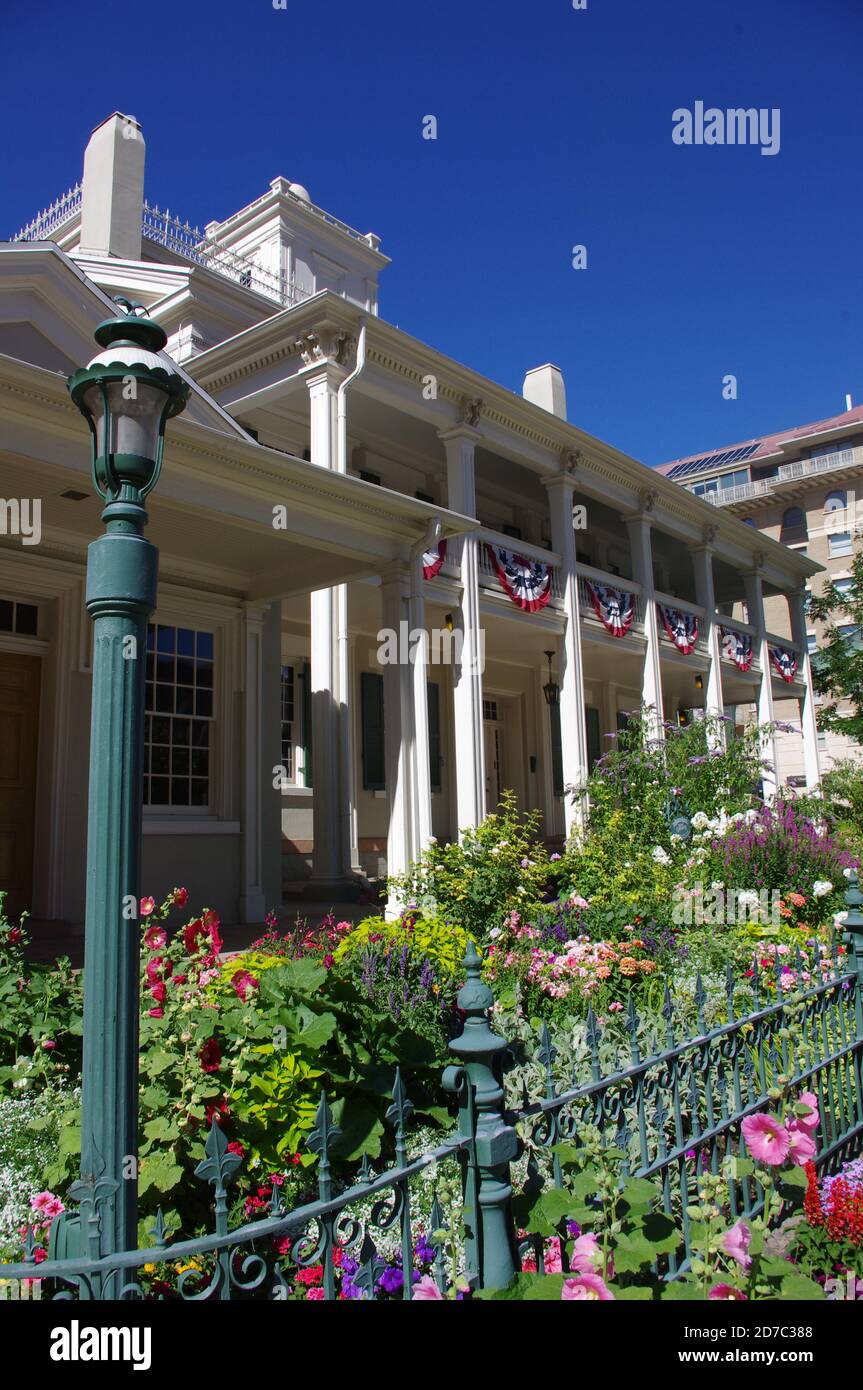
pixel 126 394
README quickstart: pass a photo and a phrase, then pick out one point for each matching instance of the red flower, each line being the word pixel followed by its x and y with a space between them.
pixel 235 1147
pixel 329 961
pixel 812 1201
pixel 155 938
pixel 244 983
pixel 14 936
pixel 179 979
pixel 154 968
pixel 313 1275
pixel 147 906
pixel 39 1254
pixel 180 897
pixel 210 1055
pixel 159 992
pixel 156 1013
pixel 201 932
pixel 219 1112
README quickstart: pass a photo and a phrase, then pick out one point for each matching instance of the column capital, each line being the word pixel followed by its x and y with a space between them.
pixel 325 348
pixel 461 430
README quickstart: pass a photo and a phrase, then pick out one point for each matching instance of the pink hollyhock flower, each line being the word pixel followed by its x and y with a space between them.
pixel 801 1143
pixel 180 897
pixel 735 1243
pixel 728 1292
pixel 154 969
pixel 426 1289
pixel 767 1139
pixel 47 1205
pixel 48 1044
pixel 586 1255
pixel 587 1288
pixel 155 938
pixel 244 983
pixel 147 906
pixel 155 1013
pixel 159 992
pixel 553 1263
pixel 808 1122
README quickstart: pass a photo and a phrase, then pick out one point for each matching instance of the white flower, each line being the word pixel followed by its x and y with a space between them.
pixel 840 918
pixel 821 887
pixel 847 872
pixel 748 898
pixel 700 820
pixel 495 849
pixel 432 839
pixel 495 933
pixel 717 885
pixel 521 890
pixel 659 855
pixel 750 817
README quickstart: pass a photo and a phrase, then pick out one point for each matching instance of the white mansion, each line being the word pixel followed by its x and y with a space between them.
pixel 333 477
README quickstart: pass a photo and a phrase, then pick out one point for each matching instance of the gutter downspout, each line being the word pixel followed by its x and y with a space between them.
pixel 347 777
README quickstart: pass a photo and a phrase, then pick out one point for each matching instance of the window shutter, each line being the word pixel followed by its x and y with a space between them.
pixel 556 750
pixel 434 735
pixel 372 706
pixel 306 682
pixel 594 742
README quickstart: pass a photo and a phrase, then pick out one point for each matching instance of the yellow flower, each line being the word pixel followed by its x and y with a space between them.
pixel 149 1269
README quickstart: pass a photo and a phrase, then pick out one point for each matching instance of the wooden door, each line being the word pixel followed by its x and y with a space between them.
pixel 19 727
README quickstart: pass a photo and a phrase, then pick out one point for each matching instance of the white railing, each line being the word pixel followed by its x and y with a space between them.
pixel 189 242
pixel 50 219
pixel 724 496
pixel 587 575
pixel 785 473
pixel 488 576
pixel 736 624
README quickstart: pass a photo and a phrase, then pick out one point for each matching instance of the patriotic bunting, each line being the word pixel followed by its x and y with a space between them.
pixel 528 582
pixel 784 662
pixel 681 627
pixel 433 559
pixel 615 608
pixel 737 647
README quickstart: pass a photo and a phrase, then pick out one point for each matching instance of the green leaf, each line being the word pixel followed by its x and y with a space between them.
pixel 679 1292
pixel 361 1128
pixel 547 1289
pixel 800 1287
pixel 155 1060
pixel 162 1128
pixel 632 1293
pixel 639 1192
pixel 632 1253
pixel 160 1171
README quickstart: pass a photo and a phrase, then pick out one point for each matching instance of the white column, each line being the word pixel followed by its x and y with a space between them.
pixel 755 613
pixel 422 807
pixel 332 798
pixel 460 444
pixel 573 724
pixel 398 730
pixel 714 700
pixel 809 726
pixel 252 900
pixel 642 569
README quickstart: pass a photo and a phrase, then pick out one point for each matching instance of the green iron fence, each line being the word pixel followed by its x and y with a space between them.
pixel 675 1112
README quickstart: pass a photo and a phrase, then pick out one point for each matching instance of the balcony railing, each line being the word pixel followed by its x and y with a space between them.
pixel 488 576
pixel 668 601
pixel 50 219
pixel 786 473
pixel 746 629
pixel 193 245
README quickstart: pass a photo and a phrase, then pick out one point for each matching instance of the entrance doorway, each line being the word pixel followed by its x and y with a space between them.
pixel 19 728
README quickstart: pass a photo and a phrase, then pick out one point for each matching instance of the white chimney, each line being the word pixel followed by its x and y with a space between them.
pixel 112 195
pixel 544 386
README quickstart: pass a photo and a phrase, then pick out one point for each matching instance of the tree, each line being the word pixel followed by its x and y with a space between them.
pixel 837 667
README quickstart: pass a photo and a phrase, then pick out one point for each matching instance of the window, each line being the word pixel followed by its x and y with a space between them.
pixel 489 709
pixel 288 706
pixel 20 618
pixel 794 528
pixel 435 756
pixel 840 544
pixel 372 714
pixel 845 587
pixel 811 643
pixel 179 705
pixel 835 502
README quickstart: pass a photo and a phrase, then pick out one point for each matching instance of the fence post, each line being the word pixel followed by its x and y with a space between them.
pixel 853 938
pixel 491 1230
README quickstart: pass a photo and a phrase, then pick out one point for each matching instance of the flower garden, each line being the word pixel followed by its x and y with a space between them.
pixel 685 905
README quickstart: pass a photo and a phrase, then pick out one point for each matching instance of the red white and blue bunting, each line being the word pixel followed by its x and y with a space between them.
pixel 527 581
pixel 615 608
pixel 784 662
pixel 681 627
pixel 737 647
pixel 433 559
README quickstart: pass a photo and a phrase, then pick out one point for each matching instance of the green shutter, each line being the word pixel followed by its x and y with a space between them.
pixel 434 735
pixel 306 686
pixel 556 750
pixel 594 740
pixel 372 707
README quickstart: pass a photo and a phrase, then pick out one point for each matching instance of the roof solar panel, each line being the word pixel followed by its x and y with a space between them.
pixel 683 470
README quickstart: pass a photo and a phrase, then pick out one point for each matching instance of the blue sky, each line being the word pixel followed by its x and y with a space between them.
pixel 554 129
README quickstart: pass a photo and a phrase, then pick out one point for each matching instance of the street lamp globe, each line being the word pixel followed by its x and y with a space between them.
pixel 126 395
